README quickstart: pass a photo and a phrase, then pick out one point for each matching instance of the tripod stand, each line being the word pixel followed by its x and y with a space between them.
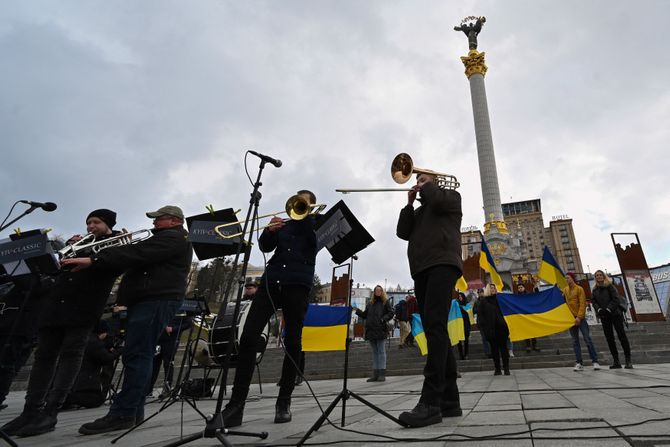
pixel 345 394
pixel 215 427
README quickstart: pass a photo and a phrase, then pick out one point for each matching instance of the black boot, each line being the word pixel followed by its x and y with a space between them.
pixel 421 415
pixel 450 409
pixel 382 375
pixel 44 422
pixel 629 364
pixel 615 364
pixel 106 424
pixel 25 418
pixel 283 411
pixel 232 414
pixel 375 375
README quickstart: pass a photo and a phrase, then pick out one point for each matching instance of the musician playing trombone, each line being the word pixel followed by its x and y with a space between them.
pixel 286 283
pixel 72 309
pixel 434 253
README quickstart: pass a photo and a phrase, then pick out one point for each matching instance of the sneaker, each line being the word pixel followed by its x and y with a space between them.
pixel 511 353
pixel 507 373
pixel 615 365
pixel 497 372
pixel 628 365
pixel 421 416
pixel 106 424
pixel 596 366
pixel 579 367
pixel 283 411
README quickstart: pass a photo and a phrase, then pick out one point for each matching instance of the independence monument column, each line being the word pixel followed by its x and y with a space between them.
pixel 475 69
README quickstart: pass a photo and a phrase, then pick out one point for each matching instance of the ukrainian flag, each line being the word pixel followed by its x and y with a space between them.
pixel 325 328
pixel 535 314
pixel 462 284
pixel 419 335
pixel 486 262
pixel 469 310
pixel 550 271
pixel 455 324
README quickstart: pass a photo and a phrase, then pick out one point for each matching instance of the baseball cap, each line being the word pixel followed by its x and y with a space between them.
pixel 168 210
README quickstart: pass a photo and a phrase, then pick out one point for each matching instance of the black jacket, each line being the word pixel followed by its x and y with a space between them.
pixel 21 304
pixel 155 269
pixel 376 315
pixel 79 298
pixel 490 319
pixel 295 253
pixel 606 298
pixel 433 229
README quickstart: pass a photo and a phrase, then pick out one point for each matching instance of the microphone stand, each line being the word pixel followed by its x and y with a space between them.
pixel 215 427
pixel 28 211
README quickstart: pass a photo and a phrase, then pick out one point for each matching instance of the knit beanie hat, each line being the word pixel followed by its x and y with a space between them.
pixel 105 215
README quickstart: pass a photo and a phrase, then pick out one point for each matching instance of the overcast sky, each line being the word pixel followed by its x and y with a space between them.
pixel 131 105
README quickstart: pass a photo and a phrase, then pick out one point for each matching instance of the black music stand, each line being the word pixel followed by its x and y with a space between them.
pixel 343 236
pixel 214 427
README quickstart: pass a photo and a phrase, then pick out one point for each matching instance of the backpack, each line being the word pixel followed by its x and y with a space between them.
pixel 401 311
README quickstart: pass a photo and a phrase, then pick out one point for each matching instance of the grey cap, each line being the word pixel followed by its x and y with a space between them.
pixel 168 210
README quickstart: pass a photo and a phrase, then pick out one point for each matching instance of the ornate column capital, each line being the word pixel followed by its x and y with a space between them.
pixel 474 63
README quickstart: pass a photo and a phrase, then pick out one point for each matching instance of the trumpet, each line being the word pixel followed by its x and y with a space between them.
pixel 402 169
pixel 89 244
pixel 296 208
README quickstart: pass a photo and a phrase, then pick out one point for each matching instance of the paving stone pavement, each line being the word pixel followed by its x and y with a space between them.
pixel 542 407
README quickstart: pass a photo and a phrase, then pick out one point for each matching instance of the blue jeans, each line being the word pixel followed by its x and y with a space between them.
pixel 378 354
pixel 146 321
pixel 586 333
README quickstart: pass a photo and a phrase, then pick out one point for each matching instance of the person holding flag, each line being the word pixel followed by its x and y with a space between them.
pixel 466 309
pixel 433 232
pixel 492 322
pixel 576 299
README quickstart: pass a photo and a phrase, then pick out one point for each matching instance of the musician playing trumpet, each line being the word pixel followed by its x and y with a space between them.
pixel 286 283
pixel 72 309
pixel 434 253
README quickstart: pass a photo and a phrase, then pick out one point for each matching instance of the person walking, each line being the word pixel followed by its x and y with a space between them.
pixel 495 329
pixel 377 313
pixel 576 300
pixel 606 302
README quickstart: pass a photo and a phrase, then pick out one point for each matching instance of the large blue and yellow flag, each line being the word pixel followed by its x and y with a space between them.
pixel 550 271
pixel 486 262
pixel 535 314
pixel 455 324
pixel 325 328
pixel 419 335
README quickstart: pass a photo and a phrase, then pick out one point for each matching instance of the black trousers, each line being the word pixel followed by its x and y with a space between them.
pixel 433 293
pixel 615 321
pixel 499 351
pixel 58 357
pixel 14 352
pixel 293 302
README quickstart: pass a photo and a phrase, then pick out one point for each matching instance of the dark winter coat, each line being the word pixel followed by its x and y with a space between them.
pixel 433 229
pixel 376 315
pixel 155 268
pixel 294 247
pixel 79 298
pixel 606 298
pixel 490 319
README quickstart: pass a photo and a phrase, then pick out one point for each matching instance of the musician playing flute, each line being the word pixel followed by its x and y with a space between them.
pixel 152 288
pixel 71 311
pixel 286 283
pixel 434 252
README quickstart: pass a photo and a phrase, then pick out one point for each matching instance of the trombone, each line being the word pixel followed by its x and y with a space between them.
pixel 402 169
pixel 296 208
pixel 89 243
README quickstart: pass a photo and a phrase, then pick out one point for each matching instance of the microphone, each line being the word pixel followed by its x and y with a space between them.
pixel 46 206
pixel 273 161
